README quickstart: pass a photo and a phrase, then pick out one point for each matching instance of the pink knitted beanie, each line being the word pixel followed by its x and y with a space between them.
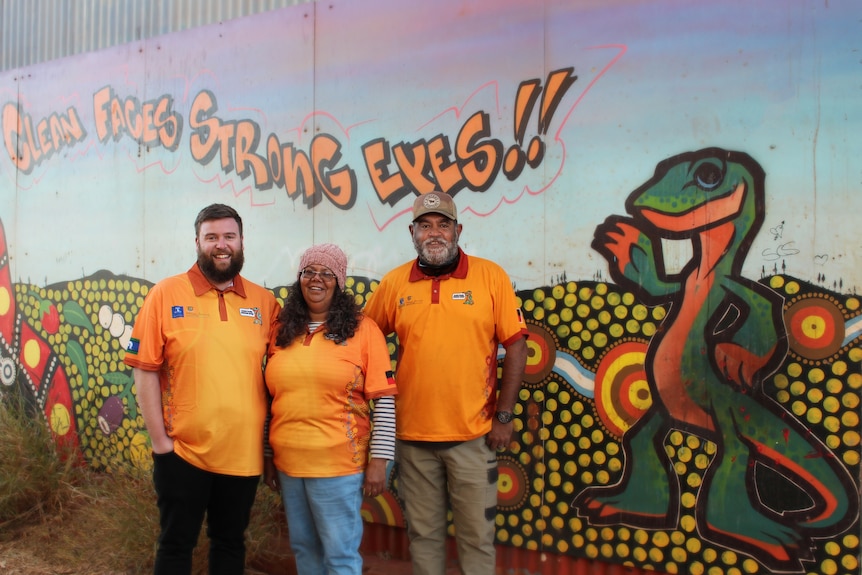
pixel 329 255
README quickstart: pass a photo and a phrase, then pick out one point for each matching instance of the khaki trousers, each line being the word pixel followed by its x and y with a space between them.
pixel 430 481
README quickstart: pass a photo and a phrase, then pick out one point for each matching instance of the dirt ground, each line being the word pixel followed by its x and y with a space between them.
pixel 16 558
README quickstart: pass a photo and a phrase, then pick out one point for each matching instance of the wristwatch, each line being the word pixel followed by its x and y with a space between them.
pixel 504 416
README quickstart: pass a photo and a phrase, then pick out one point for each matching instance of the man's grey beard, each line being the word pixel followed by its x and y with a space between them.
pixel 437 259
pixel 214 274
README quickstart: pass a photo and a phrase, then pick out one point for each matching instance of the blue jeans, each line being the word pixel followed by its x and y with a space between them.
pixel 324 523
pixel 185 495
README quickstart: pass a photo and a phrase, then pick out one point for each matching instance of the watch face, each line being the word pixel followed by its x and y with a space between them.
pixel 504 416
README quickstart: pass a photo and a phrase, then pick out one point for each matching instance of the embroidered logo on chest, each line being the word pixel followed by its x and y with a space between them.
pixel 465 296
pixel 253 312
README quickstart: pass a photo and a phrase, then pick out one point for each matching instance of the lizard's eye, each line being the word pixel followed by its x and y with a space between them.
pixel 708 176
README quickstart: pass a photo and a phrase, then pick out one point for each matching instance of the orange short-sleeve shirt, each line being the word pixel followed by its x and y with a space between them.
pixel 208 347
pixel 321 389
pixel 449 329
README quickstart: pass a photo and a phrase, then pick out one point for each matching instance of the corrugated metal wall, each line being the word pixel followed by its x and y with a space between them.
pixel 33 31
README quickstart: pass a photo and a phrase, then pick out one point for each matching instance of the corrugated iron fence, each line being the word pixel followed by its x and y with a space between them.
pixel 33 31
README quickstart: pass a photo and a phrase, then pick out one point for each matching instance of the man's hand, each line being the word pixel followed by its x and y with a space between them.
pixel 162 445
pixel 500 435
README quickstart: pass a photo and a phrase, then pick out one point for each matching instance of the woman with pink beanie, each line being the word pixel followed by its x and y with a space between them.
pixel 329 375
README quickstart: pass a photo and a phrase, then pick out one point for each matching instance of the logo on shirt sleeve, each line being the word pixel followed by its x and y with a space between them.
pixel 133 346
pixel 177 311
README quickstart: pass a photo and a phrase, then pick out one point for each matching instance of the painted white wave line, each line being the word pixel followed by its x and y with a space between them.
pixel 852 329
pixel 579 377
pixel 570 369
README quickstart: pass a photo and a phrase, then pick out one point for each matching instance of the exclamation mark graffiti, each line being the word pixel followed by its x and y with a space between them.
pixel 559 82
pixel 513 163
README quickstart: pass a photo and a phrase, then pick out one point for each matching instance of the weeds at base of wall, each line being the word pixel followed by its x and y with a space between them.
pixel 59 517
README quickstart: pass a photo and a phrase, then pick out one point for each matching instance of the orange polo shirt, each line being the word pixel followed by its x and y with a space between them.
pixel 321 423
pixel 449 328
pixel 208 347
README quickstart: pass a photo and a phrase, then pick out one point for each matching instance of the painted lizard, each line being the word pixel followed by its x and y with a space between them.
pixel 722 336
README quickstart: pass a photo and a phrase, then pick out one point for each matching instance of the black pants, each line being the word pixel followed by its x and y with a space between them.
pixel 185 494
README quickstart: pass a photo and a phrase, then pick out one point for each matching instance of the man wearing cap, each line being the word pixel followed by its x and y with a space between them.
pixel 450 312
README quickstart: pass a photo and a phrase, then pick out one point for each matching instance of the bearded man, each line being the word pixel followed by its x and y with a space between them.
pixel 197 352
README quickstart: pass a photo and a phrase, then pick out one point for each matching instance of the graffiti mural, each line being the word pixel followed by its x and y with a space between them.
pixel 692 395
pixel 705 367
pixel 586 403
pixel 29 364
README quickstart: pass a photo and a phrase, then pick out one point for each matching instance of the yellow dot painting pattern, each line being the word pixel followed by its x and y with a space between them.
pixel 584 389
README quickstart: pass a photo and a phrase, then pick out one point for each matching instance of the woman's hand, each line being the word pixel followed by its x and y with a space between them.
pixel 375 478
pixel 270 474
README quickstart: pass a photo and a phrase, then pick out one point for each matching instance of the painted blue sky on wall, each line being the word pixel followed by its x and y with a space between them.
pixel 779 81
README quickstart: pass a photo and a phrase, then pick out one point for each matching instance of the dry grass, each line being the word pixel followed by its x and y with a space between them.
pixel 34 478
pixel 61 518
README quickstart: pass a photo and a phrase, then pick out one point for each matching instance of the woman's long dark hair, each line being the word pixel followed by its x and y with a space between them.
pixel 341 323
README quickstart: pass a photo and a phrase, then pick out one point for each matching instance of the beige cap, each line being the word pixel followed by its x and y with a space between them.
pixel 436 203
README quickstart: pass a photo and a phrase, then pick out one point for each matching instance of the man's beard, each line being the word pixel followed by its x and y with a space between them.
pixel 216 275
pixel 440 256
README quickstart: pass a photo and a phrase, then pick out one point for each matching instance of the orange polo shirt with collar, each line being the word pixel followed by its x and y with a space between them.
pixel 321 416
pixel 449 328
pixel 208 347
